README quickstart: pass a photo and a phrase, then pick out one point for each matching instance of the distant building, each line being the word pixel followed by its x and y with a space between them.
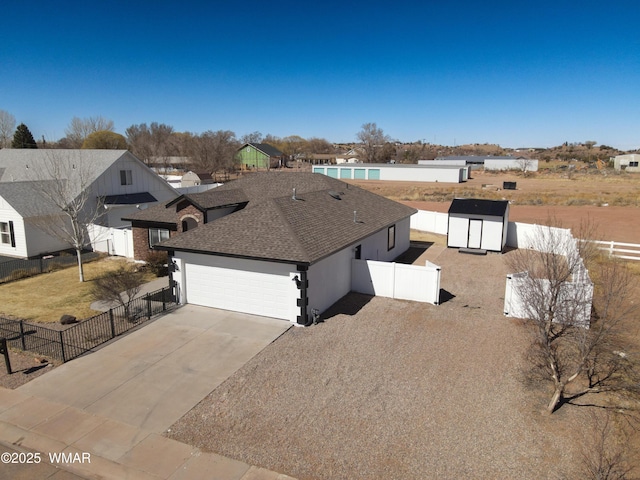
pixel 491 162
pixel 260 155
pixel 192 179
pixel 628 163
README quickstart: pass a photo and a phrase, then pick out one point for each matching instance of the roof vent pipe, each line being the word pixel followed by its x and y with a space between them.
pixel 355 216
pixel 294 195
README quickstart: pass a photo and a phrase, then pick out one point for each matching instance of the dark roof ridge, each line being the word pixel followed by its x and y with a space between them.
pixel 290 228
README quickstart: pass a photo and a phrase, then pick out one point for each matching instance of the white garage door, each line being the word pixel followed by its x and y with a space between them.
pixel 244 291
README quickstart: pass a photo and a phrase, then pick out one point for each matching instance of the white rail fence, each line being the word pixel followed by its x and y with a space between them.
pixel 626 251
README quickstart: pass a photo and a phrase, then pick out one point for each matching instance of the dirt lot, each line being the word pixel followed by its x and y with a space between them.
pixel 25 367
pixel 538 198
pixel 393 389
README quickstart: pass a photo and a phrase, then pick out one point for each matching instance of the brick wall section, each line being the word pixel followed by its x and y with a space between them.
pixel 141 242
pixel 189 211
pixel 141 235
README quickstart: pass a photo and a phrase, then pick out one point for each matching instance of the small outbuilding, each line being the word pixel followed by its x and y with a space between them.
pixel 478 224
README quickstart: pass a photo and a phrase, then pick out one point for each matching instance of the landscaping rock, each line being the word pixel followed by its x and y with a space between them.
pixel 68 319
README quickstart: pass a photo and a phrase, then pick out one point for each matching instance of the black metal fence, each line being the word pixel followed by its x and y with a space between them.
pixel 71 342
pixel 17 269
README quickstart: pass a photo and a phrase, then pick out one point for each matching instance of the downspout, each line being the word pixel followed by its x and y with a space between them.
pixel 303 301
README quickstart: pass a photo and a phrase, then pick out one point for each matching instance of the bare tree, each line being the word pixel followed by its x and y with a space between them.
pixel 153 141
pixel 214 151
pixel 578 351
pixel 7 126
pixel 525 165
pixel 119 287
pixel 373 140
pixel 605 450
pixel 80 128
pixel 64 180
pixel 253 137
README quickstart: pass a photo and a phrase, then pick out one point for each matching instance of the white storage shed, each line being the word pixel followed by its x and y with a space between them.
pixel 478 224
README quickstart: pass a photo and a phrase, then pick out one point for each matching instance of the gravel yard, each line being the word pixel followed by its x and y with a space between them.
pixel 397 390
pixel 25 367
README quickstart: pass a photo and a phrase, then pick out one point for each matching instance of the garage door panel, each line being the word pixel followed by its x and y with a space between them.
pixel 238 290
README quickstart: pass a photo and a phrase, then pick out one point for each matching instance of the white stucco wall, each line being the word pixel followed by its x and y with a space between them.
pixel 330 280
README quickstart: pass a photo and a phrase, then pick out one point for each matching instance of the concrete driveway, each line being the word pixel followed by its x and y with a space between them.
pixel 153 376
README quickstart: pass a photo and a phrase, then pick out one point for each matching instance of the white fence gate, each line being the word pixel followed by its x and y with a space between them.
pixel 114 241
pixel 396 280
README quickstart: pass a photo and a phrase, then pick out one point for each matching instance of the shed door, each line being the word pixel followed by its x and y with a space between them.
pixel 475 233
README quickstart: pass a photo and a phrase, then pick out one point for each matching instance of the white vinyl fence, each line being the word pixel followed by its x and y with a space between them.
pixel 114 241
pixel 524 235
pixel 396 280
pixel 576 296
pixel 434 222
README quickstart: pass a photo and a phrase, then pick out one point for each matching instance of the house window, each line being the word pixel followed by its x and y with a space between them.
pixel 7 236
pixel 391 237
pixel 633 164
pixel 125 177
pixel 157 235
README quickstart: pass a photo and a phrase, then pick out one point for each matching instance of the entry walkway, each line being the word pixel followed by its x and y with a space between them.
pixel 116 403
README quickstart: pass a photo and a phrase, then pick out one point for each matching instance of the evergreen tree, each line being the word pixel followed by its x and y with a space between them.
pixel 23 138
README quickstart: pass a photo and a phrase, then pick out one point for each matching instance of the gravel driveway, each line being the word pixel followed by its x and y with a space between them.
pixel 396 390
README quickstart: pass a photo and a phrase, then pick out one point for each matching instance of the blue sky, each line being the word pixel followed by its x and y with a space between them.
pixel 508 72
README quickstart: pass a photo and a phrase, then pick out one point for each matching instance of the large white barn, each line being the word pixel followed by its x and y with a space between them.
pixel 396 172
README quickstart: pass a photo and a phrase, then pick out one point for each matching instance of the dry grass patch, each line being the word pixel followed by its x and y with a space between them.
pixel 46 297
pixel 418 236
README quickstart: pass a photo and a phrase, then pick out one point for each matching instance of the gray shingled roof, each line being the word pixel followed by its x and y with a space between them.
pixel 27 198
pixel 24 164
pixel 214 198
pixel 275 226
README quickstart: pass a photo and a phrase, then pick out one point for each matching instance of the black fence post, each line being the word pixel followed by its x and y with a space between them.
pixel 148 298
pixel 113 327
pixel 62 348
pixel 164 302
pixel 5 351
pixel 24 345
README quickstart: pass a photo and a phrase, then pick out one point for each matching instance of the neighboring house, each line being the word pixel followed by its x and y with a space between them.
pixel 478 224
pixel 628 163
pixel 275 244
pixel 491 162
pixel 116 179
pixel 192 179
pixel 259 155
